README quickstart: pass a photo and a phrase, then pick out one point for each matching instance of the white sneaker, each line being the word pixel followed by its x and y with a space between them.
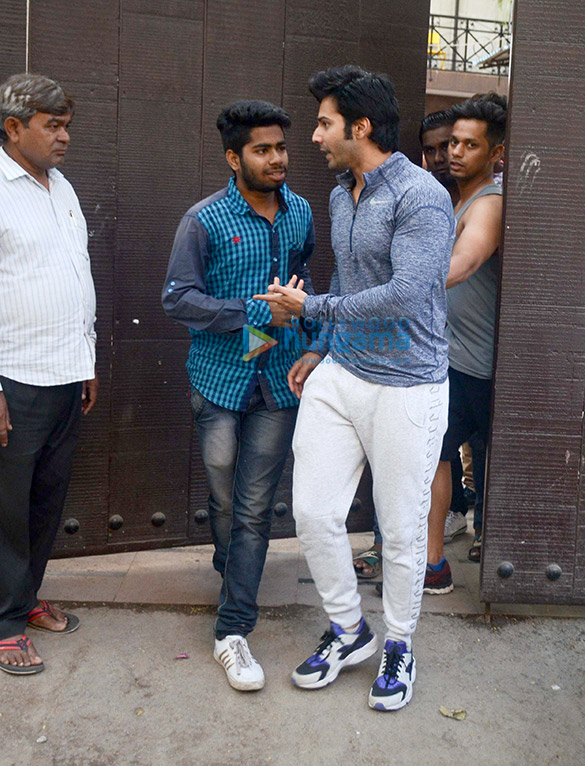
pixel 455 524
pixel 336 651
pixel 242 670
pixel 393 687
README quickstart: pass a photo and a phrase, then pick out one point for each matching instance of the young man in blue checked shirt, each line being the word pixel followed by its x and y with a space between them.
pixel 227 248
pixel 377 395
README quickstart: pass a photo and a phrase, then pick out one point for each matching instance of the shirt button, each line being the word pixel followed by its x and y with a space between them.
pixel 275 260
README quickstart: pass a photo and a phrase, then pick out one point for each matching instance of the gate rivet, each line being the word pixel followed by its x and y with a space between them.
pixel 116 522
pixel 506 569
pixel 280 509
pixel 553 571
pixel 201 516
pixel 356 504
pixel 158 519
pixel 71 526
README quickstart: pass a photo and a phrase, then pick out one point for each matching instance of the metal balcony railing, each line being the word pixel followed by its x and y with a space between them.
pixel 463 45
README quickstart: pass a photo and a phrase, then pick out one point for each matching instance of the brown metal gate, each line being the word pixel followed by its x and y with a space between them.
pixel 150 77
pixel 535 517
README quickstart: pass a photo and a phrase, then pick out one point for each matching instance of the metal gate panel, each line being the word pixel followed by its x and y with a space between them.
pixel 85 60
pixel 12 38
pixel 533 550
pixel 149 79
pixel 242 59
pixel 398 47
pixel 161 61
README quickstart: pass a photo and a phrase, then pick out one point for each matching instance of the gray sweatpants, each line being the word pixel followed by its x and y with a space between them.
pixel 342 422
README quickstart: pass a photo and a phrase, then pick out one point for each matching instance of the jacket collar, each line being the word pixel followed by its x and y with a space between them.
pixel 376 176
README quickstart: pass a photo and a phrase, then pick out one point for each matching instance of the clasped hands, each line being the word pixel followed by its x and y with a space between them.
pixel 285 301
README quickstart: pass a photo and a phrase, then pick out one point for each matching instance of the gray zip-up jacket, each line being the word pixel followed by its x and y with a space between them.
pixel 384 317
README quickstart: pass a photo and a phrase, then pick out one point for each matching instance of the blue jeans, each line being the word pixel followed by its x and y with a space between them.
pixel 244 454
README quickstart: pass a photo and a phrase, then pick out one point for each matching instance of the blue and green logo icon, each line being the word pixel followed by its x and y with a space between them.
pixel 256 342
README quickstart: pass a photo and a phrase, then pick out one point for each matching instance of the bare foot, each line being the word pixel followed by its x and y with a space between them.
pixel 19 651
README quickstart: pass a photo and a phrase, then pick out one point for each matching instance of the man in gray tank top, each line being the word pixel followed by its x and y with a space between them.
pixel 476 146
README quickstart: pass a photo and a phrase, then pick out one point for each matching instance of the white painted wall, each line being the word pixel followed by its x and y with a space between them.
pixel 474 9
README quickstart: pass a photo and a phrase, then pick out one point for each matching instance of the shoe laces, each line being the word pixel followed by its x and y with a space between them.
pixel 392 662
pixel 242 654
pixel 326 640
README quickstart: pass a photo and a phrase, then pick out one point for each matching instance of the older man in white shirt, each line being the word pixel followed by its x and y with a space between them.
pixel 47 353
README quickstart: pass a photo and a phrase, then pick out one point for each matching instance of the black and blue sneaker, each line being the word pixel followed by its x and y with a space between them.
pixel 393 687
pixel 336 651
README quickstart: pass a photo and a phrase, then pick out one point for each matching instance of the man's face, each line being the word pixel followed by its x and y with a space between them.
pixel 435 146
pixel 264 161
pixel 470 152
pixel 44 142
pixel 329 135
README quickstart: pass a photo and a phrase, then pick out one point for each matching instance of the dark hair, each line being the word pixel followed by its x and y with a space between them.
pixel 435 120
pixel 361 94
pixel 237 120
pixel 490 108
pixel 23 95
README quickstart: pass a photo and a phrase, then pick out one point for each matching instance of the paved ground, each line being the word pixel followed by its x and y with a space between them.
pixel 113 693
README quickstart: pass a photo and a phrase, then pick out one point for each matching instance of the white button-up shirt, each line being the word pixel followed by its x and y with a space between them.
pixel 47 297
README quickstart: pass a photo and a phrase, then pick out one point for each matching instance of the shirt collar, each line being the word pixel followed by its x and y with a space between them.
pixel 9 167
pixel 374 177
pixel 12 170
pixel 239 205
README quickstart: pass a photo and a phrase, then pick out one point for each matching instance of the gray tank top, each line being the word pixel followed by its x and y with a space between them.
pixel 471 312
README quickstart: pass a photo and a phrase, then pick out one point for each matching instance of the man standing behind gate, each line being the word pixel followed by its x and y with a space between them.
pixel 228 247
pixel 47 352
pixel 381 393
pixel 476 145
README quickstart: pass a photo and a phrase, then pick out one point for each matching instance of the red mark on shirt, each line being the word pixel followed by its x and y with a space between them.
pixel 236 240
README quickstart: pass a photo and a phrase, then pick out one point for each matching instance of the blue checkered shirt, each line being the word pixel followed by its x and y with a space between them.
pixel 224 252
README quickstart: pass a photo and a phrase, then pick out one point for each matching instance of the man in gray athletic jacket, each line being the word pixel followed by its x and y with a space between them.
pixel 476 145
pixel 380 392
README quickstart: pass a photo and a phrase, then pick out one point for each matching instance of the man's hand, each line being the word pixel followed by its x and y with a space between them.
pixel 281 317
pixel 5 424
pixel 300 371
pixel 89 394
pixel 291 296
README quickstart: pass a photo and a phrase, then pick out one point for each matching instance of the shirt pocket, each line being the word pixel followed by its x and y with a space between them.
pixel 77 230
pixel 295 261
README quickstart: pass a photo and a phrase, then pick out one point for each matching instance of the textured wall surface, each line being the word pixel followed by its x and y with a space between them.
pixel 535 518
pixel 150 77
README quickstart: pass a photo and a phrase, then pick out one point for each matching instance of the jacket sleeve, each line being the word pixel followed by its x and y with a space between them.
pixel 421 243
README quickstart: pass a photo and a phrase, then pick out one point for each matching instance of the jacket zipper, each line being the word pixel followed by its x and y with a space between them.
pixel 355 207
